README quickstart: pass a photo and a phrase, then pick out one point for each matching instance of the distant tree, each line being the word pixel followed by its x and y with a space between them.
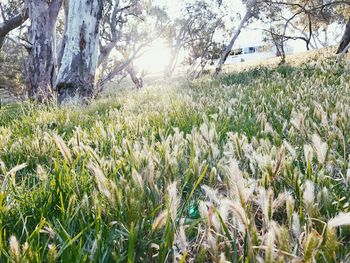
pixel 176 36
pixel 11 68
pixel 284 26
pixel 307 19
pixel 76 75
pixel 201 33
pixel 115 15
pixel 272 35
pixel 251 11
pixel 128 28
pixel 13 15
pixel 194 33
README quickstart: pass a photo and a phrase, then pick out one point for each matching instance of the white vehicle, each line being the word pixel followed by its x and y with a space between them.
pixel 254 52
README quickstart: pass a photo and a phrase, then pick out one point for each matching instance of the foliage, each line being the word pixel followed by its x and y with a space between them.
pixel 126 34
pixel 11 62
pixel 195 32
pixel 252 167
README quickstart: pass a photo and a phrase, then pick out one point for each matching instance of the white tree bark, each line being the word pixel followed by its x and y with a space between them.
pixel 64 37
pixel 42 60
pixel 76 75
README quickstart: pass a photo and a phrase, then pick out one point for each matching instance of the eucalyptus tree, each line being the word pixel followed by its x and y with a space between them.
pixel 76 75
pixel 176 36
pixel 116 14
pixel 194 33
pixel 252 11
pixel 201 40
pixel 308 19
pixel 128 28
pixel 42 59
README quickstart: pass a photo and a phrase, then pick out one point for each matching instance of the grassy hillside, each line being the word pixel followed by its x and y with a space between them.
pixel 251 167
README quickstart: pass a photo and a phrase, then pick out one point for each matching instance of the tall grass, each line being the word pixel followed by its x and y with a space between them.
pixel 253 167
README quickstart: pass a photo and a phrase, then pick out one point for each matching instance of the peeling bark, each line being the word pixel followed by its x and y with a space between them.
pixel 76 75
pixel 64 38
pixel 42 60
pixel 345 41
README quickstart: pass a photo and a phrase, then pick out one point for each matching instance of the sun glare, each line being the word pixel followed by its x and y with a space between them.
pixel 156 57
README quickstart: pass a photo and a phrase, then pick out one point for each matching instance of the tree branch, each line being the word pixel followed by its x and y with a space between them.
pixel 11 24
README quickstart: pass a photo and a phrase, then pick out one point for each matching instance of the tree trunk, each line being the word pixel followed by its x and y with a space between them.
pixel 345 39
pixel 12 23
pixel 76 75
pixel 229 47
pixel 169 71
pixel 325 37
pixel 42 60
pixel 132 73
pixel 106 50
pixel 116 70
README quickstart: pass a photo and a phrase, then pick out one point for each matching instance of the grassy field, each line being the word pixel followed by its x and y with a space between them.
pixel 252 167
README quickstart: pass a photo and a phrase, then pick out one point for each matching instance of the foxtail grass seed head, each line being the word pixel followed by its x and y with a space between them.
pixel 296 230
pixel 180 237
pixel 25 247
pixel 290 149
pixel 101 181
pixel 17 168
pixel 323 197
pixel 174 200
pixel 211 194
pixel 311 245
pixel 347 179
pixel 65 151
pixel 160 220
pixel 308 153
pixel 203 209
pixel 14 246
pixel 270 245
pixel 52 253
pixel 223 258
pixel 212 243
pixel 309 193
pixel 320 147
pixel 41 173
pixel 290 204
pixel 253 166
pixel 235 208
pixel 341 219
